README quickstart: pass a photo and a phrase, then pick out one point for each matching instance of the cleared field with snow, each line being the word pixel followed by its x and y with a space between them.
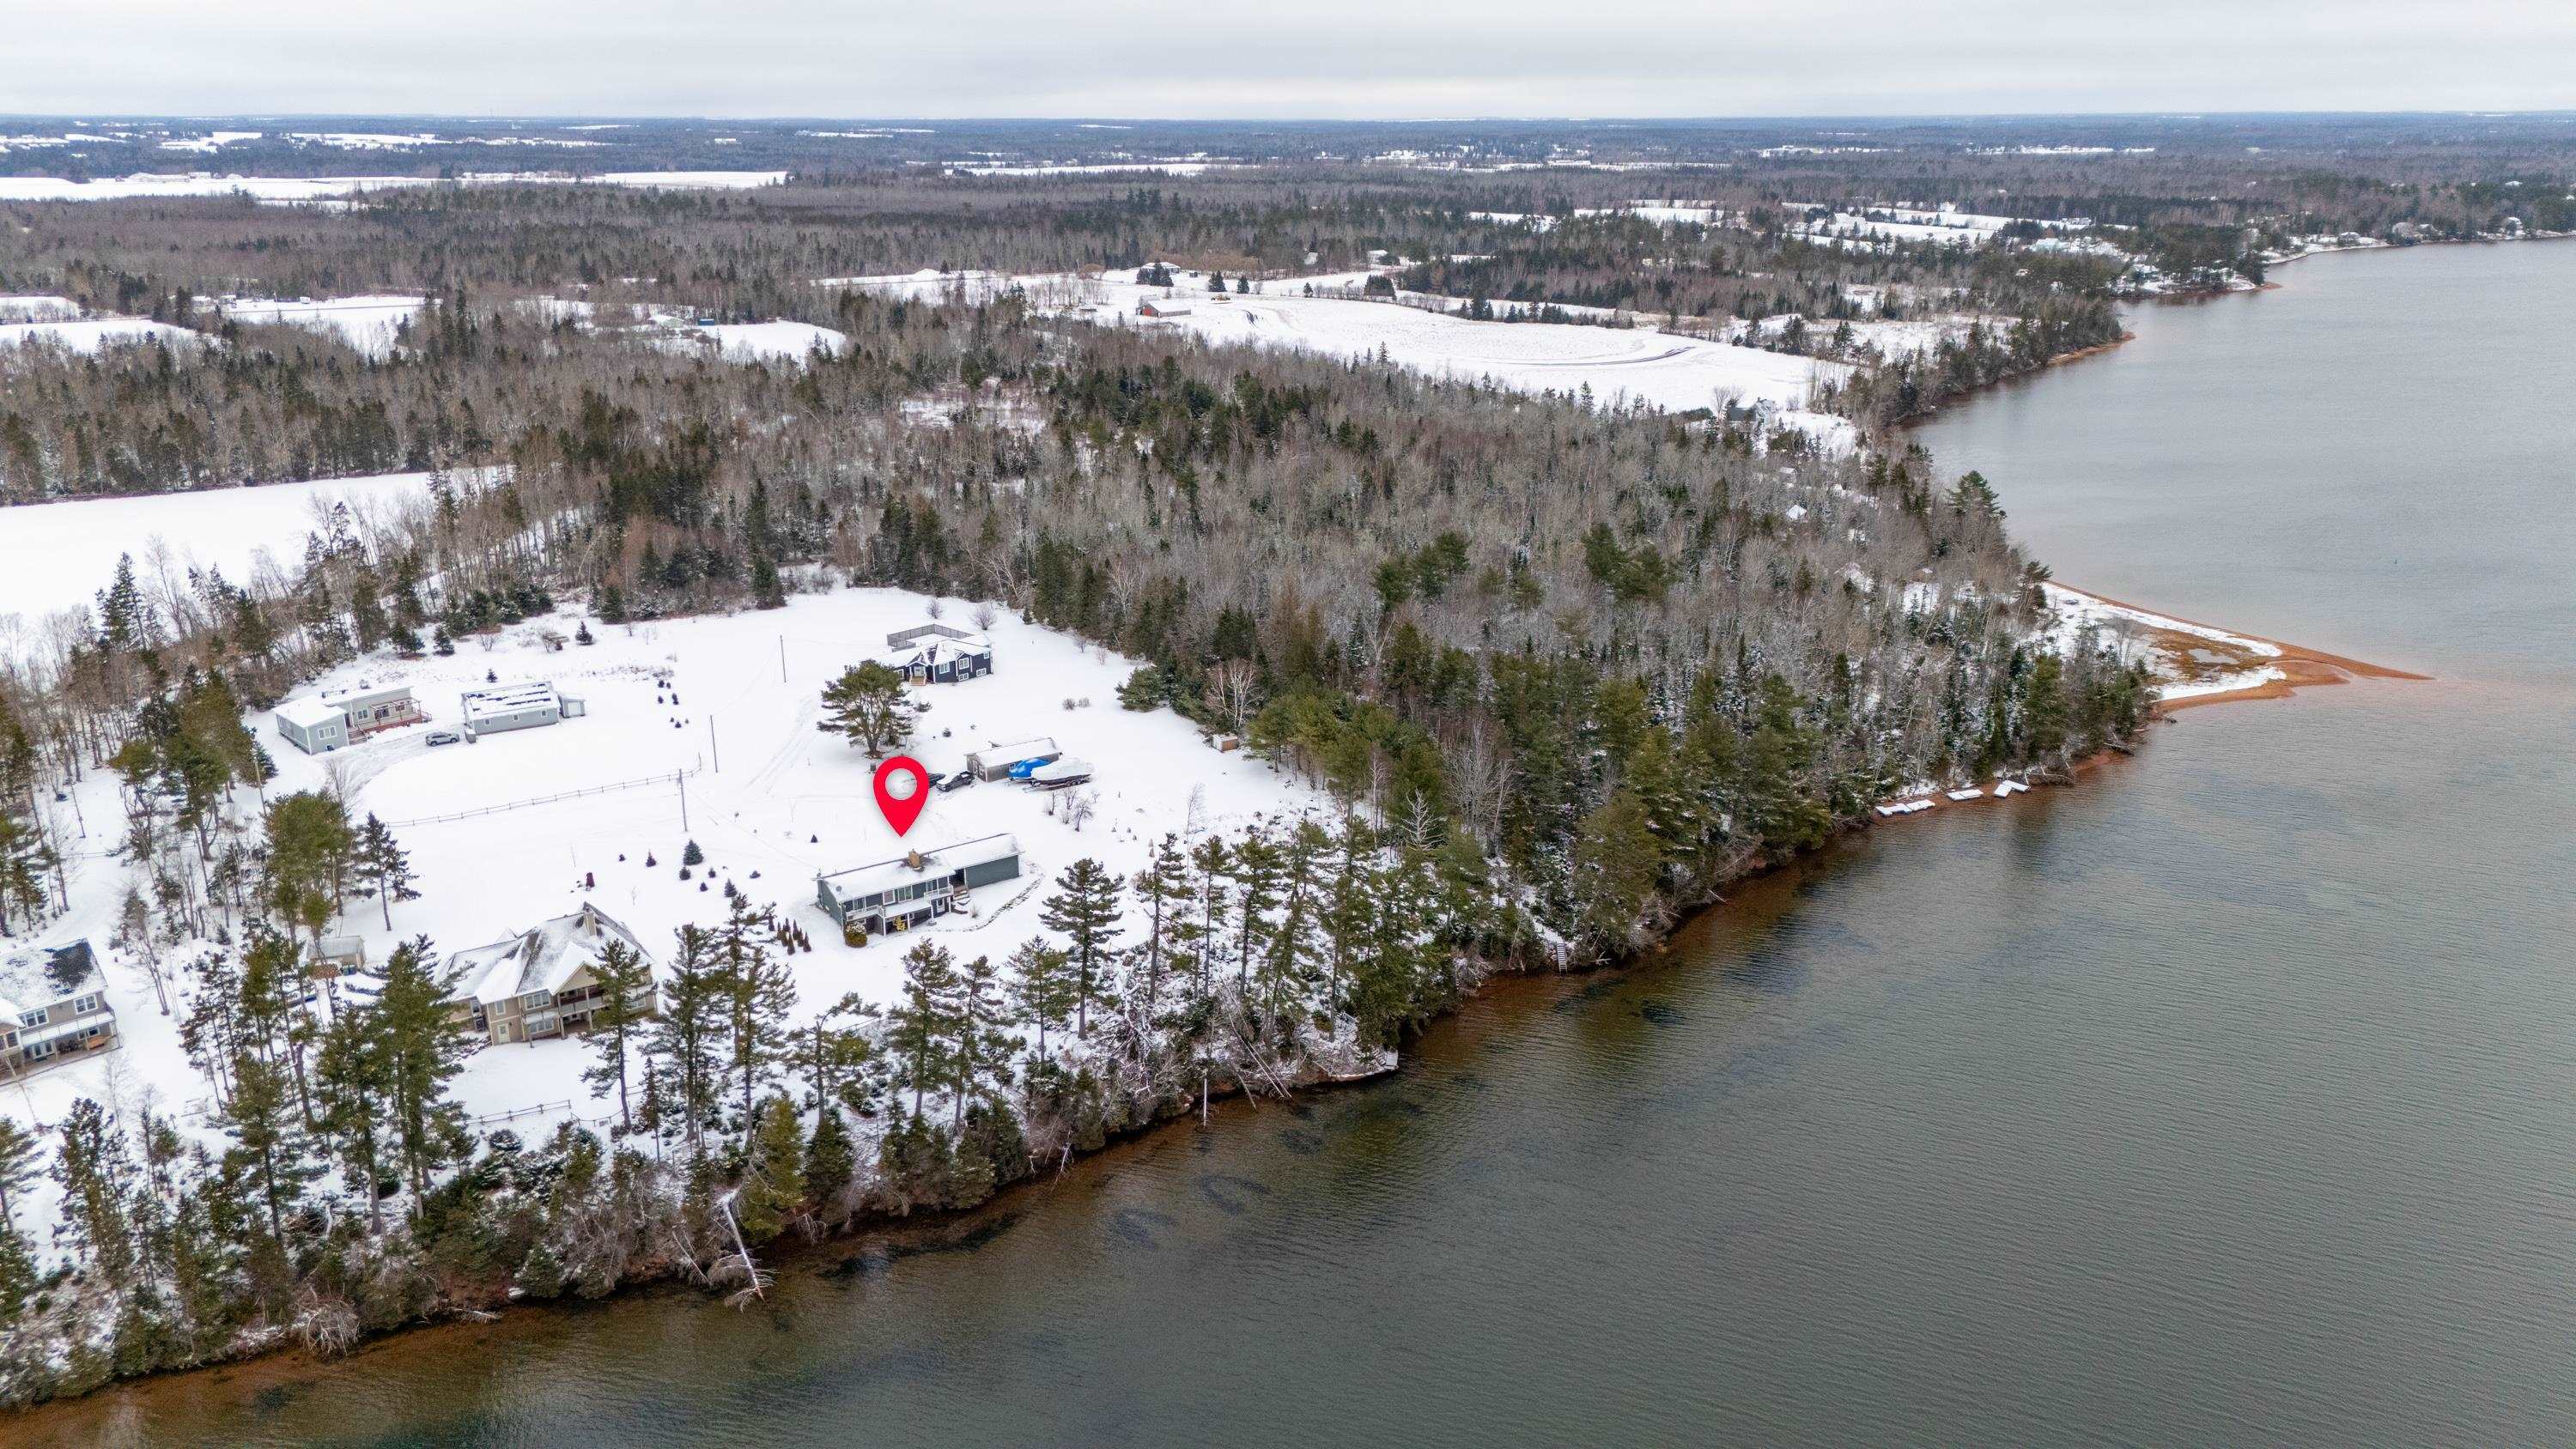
pixel 1635 364
pixel 770 800
pixel 55 556
pixel 320 188
pixel 89 336
pixel 368 324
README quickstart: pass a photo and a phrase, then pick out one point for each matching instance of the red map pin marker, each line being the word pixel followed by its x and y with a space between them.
pixel 901 811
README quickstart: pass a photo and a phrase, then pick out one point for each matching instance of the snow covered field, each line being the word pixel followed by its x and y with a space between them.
pixel 1634 365
pixel 55 556
pixel 369 324
pixel 319 188
pixel 771 341
pixel 770 799
pixel 89 336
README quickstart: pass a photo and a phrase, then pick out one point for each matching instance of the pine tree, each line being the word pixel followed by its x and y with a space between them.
pixel 17 1276
pixel 425 1047
pixel 759 996
pixel 269 1143
pixel 831 1159
pixel 1043 988
pixel 869 704
pixel 1163 888
pixel 1616 864
pixel 687 1038
pixel 617 1021
pixel 919 1029
pixel 97 1177
pixel 1085 910
pixel 1289 960
pixel 1256 890
pixel 18 1167
pixel 380 859
pixel 980 1021
pixel 774 1183
pixel 353 1073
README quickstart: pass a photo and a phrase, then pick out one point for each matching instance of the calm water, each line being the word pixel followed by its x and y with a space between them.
pixel 2230 1097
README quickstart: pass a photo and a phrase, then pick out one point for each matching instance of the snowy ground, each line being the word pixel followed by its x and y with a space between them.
pixel 2182 668
pixel 369 324
pixel 771 341
pixel 769 798
pixel 317 188
pixel 1633 364
pixel 87 337
pixel 55 556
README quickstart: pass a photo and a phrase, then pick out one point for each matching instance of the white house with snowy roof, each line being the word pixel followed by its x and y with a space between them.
pixel 543 982
pixel 53 1006
pixel 498 708
pixel 319 724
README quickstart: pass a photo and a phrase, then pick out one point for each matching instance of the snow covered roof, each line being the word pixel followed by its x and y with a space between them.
pixel 307 713
pixel 918 632
pixel 930 652
pixel 885 875
pixel 1012 754
pixel 503 699
pixel 539 960
pixel 34 976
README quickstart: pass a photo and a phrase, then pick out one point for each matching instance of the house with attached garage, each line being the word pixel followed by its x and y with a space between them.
pixel 937 654
pixel 543 982
pixel 907 892
pixel 53 1006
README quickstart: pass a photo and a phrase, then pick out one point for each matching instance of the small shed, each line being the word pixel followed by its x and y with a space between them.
pixel 995 762
pixel 1162 307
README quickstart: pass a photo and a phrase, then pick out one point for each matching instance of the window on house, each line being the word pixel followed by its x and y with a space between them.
pixel 38 1017
pixel 38 1051
pixel 85 1003
pixel 536 998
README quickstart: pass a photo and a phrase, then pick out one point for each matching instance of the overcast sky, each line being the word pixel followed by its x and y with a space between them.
pixel 1326 58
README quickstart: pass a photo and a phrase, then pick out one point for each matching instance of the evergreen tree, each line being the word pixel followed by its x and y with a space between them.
pixel 920 1029
pixel 687 1038
pixel 759 994
pixel 353 1073
pixel 425 1047
pixel 980 1020
pixel 831 1159
pixel 19 1146
pixel 1256 890
pixel 1043 987
pixel 97 1178
pixel 17 1276
pixel 869 704
pixel 1085 911
pixel 1163 889
pixel 1616 864
pixel 617 1023
pixel 774 1184
pixel 269 1144
pixel 381 860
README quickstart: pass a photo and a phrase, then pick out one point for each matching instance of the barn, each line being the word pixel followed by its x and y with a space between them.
pixel 1162 307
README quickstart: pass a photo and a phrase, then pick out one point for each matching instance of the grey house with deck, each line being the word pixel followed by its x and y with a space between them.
pixel 909 891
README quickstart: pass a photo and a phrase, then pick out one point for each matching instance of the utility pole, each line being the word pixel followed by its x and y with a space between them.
pixel 714 760
pixel 782 659
pixel 682 777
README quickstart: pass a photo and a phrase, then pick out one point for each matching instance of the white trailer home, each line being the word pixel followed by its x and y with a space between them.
pixel 908 891
pixel 498 708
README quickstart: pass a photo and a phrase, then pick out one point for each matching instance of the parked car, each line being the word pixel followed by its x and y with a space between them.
pixel 958 781
pixel 442 737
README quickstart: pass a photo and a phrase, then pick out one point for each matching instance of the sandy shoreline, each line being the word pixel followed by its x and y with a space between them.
pixel 2298 666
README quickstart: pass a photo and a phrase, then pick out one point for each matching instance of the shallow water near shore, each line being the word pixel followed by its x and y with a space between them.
pixel 2228 1096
